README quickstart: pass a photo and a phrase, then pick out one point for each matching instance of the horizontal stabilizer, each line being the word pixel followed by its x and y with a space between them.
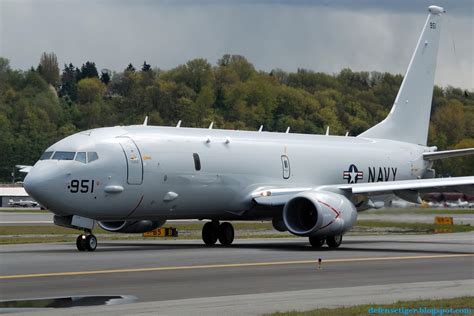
pixel 448 154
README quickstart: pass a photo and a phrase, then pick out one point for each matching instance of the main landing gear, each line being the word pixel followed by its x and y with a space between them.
pixel 331 241
pixel 86 242
pixel 213 231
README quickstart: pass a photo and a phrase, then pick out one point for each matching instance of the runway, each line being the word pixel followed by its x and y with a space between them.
pixel 170 273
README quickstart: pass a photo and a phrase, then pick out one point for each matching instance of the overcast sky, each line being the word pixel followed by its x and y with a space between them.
pixel 320 35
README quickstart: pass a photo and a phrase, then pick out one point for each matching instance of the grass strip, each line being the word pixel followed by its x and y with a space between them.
pixel 464 304
pixel 51 233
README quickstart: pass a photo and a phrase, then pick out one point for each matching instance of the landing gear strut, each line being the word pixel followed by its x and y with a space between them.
pixel 213 231
pixel 86 242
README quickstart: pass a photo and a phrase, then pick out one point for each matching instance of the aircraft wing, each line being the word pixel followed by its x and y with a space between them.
pixel 448 154
pixel 24 168
pixel 279 196
pixel 423 185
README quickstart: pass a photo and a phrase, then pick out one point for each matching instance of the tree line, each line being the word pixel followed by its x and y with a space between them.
pixel 41 105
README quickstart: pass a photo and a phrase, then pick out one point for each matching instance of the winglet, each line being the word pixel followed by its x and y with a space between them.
pixel 179 124
pixel 327 131
pixel 145 122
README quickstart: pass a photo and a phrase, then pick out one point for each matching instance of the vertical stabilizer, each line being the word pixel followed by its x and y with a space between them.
pixel 409 119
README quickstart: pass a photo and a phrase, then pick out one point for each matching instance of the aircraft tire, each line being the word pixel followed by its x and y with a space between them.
pixel 316 242
pixel 334 241
pixel 80 243
pixel 226 234
pixel 91 243
pixel 210 233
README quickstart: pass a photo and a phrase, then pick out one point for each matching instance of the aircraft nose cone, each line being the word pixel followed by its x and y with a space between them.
pixel 36 185
pixel 32 185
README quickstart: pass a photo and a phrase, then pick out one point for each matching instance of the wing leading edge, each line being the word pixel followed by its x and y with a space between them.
pixel 279 196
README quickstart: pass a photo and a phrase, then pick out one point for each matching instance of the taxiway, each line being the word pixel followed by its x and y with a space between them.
pixel 170 273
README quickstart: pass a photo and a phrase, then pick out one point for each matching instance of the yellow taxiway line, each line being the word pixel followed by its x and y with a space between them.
pixel 227 265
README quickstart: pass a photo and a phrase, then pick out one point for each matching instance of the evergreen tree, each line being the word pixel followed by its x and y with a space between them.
pixel 146 67
pixel 88 70
pixel 130 68
pixel 105 77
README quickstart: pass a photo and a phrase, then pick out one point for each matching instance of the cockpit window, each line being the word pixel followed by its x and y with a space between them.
pixel 46 155
pixel 64 155
pixel 81 157
pixel 91 156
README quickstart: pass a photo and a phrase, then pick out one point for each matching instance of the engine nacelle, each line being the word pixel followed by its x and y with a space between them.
pixel 131 227
pixel 319 213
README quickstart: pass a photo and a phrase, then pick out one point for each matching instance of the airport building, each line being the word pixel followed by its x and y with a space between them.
pixel 14 193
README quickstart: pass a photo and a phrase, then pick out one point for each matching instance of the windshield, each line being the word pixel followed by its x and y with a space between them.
pixel 64 155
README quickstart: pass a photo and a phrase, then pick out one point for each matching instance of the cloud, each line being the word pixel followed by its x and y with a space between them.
pixel 319 35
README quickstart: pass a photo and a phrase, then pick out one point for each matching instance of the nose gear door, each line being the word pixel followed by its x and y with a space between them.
pixel 134 160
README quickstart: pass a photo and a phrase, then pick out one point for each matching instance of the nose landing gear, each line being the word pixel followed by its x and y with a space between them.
pixel 213 231
pixel 86 242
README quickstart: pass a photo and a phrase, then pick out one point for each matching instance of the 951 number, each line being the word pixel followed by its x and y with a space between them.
pixel 82 186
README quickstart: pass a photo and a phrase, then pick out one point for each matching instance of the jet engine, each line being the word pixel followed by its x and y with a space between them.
pixel 131 227
pixel 319 214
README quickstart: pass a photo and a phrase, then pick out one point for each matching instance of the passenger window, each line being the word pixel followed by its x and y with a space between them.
pixel 46 155
pixel 92 156
pixel 81 157
pixel 197 162
pixel 64 155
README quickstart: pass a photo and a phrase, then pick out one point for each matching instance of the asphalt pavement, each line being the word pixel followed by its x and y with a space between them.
pixel 186 277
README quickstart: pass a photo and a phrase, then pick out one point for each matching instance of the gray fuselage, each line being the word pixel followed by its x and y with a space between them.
pixel 159 178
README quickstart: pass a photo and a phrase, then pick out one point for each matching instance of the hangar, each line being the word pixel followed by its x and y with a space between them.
pixel 15 193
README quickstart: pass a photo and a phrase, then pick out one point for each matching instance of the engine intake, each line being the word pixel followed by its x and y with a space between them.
pixel 131 227
pixel 318 213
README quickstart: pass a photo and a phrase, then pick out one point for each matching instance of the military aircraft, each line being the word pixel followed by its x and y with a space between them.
pixel 22 203
pixel 131 179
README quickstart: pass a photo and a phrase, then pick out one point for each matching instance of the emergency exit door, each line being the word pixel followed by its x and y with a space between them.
pixel 134 161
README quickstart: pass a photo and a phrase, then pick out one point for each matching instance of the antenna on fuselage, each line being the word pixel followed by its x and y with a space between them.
pixel 179 124
pixel 145 122
pixel 260 129
pixel 210 125
pixel 327 131
pixel 287 130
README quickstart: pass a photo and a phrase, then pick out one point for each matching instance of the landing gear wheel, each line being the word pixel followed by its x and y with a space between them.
pixel 80 243
pixel 90 243
pixel 334 241
pixel 316 242
pixel 210 233
pixel 226 234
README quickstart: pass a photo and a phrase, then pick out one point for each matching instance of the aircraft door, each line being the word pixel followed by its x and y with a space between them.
pixel 134 160
pixel 285 163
